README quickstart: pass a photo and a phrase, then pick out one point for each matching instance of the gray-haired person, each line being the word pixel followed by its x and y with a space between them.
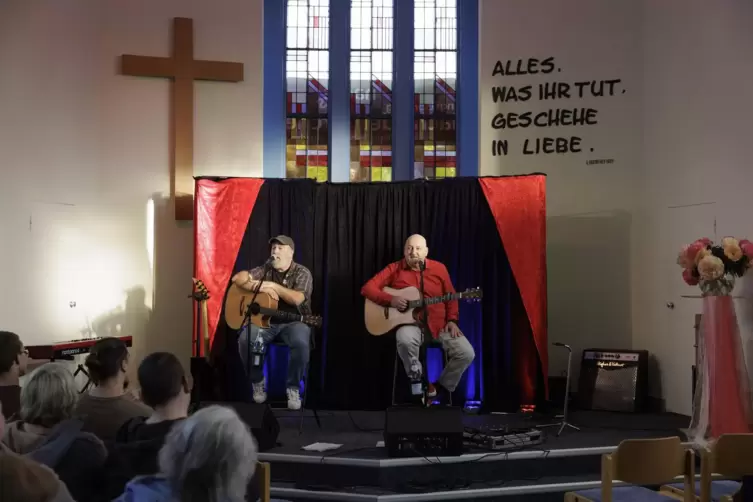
pixel 48 433
pixel 209 457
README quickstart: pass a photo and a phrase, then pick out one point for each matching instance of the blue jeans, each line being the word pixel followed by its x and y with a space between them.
pixel 295 335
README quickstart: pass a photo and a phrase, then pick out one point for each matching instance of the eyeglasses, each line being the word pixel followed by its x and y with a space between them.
pixel 25 352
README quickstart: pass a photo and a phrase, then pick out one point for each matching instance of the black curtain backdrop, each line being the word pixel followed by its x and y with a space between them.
pixel 345 233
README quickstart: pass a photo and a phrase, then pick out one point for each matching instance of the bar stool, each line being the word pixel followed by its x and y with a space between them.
pixel 279 343
pixel 432 344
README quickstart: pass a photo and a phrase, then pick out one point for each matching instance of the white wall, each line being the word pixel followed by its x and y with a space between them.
pixel 680 138
pixel 589 206
pixel 697 134
pixel 83 149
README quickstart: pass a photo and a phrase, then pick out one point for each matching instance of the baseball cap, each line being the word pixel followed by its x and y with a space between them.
pixel 284 240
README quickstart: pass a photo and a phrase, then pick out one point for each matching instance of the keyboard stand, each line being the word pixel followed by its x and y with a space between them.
pixel 81 369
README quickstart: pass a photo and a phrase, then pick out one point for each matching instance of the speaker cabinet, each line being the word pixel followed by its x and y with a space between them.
pixel 613 380
pixel 259 418
pixel 410 432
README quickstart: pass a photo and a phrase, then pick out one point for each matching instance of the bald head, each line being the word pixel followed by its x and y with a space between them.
pixel 415 250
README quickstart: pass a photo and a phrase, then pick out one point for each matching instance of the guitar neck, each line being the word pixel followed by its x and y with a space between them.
pixel 440 299
pixel 281 314
pixel 205 326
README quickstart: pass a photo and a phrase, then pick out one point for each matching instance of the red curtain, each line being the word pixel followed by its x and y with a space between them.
pixel 518 204
pixel 221 214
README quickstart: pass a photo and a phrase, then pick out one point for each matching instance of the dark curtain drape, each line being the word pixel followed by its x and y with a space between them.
pixel 282 207
pixel 365 227
pixel 344 234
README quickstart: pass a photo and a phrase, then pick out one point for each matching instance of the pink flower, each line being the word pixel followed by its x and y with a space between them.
pixel 693 249
pixel 684 260
pixel 689 278
pixel 747 248
pixel 706 241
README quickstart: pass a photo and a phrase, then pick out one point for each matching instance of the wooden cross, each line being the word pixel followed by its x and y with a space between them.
pixel 183 69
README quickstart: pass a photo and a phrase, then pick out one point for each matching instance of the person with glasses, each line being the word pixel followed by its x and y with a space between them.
pixel 14 363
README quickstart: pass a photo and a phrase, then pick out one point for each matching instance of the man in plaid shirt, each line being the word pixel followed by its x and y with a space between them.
pixel 289 283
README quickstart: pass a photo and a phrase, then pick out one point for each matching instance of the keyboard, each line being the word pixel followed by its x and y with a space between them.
pixel 66 350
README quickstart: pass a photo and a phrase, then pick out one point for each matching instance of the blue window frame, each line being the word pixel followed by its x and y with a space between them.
pixel 418 74
pixel 371 82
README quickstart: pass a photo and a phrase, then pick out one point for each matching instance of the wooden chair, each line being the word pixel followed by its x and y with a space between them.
pixel 263 477
pixel 731 456
pixel 641 462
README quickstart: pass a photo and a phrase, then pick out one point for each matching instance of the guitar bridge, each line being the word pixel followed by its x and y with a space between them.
pixel 386 312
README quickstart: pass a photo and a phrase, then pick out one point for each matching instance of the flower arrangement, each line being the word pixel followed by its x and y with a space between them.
pixel 706 263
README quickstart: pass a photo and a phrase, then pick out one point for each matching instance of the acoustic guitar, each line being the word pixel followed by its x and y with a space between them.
pixel 201 295
pixel 381 320
pixel 238 302
pixel 205 377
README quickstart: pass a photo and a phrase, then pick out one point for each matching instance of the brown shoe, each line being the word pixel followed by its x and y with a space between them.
pixel 431 391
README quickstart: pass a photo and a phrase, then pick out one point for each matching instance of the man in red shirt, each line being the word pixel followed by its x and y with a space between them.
pixel 441 319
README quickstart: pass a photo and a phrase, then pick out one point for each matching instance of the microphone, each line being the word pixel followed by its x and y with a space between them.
pixel 422 265
pixel 269 261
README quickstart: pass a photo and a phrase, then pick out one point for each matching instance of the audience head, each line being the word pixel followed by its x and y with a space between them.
pixel 163 381
pixel 415 250
pixel 23 479
pixel 107 362
pixel 49 397
pixel 209 457
pixel 13 357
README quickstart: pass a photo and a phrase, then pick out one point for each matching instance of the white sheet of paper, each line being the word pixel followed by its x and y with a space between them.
pixel 380 444
pixel 321 447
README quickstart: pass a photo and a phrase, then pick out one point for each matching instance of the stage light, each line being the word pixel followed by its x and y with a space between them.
pixel 527 408
pixel 86 259
pixel 150 234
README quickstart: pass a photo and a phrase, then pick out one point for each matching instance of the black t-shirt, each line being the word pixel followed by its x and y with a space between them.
pixel 10 398
pixel 281 279
pixel 134 452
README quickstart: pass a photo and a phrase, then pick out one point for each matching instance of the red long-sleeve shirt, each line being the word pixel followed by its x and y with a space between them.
pixel 437 282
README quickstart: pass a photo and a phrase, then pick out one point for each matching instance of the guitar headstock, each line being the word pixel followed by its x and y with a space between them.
pixel 312 320
pixel 473 294
pixel 201 293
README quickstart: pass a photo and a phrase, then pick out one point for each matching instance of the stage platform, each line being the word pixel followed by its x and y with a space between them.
pixel 361 470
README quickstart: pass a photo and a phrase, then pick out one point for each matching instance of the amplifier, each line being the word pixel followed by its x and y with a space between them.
pixel 424 432
pixel 613 380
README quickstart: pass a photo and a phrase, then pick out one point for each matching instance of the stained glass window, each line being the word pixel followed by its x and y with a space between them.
pixel 435 77
pixel 307 81
pixel 371 77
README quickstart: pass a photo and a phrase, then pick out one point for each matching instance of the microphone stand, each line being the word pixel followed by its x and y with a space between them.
pixel 252 308
pixel 424 321
pixel 564 423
